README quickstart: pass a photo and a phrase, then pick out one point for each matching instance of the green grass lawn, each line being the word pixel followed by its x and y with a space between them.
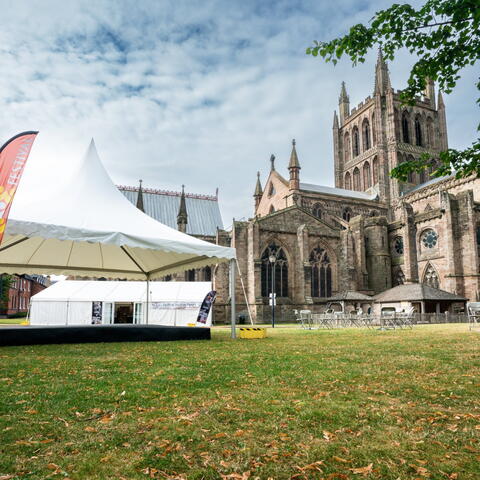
pixel 12 321
pixel 346 404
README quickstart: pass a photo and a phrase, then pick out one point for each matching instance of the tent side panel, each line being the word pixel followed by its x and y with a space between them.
pixel 80 313
pixel 48 313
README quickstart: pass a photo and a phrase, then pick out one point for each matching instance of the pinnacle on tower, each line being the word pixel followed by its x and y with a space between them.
pixel 272 162
pixel 335 119
pixel 440 100
pixel 182 217
pixel 429 92
pixel 258 187
pixel 294 169
pixel 293 157
pixel 382 78
pixel 140 198
pixel 343 104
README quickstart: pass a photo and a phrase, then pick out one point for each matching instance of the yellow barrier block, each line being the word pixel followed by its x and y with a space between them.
pixel 253 332
pixel 191 324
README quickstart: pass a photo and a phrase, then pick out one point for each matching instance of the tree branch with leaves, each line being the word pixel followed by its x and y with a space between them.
pixel 445 36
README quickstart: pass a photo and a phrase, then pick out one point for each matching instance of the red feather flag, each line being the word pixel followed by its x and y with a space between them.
pixel 13 157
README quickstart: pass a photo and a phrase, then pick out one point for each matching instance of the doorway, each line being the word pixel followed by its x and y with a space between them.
pixel 123 313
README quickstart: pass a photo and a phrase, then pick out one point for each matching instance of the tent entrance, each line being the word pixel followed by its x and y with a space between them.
pixel 123 313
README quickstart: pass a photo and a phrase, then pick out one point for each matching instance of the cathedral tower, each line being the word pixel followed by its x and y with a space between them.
pixel 182 217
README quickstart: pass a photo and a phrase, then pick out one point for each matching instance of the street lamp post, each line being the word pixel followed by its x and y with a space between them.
pixel 272 259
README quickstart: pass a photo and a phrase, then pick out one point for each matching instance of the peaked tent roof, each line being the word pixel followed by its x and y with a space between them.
pixel 416 292
pixel 82 225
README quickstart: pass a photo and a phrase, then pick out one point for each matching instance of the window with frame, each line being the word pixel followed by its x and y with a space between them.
pixel 398 245
pixel 429 239
pixel 431 277
pixel 347 214
pixel 317 210
pixel 275 273
pixel 321 286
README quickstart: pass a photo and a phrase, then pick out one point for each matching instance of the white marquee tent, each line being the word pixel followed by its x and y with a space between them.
pixel 78 223
pixel 105 302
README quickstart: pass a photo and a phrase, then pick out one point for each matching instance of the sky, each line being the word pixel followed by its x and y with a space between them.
pixel 187 92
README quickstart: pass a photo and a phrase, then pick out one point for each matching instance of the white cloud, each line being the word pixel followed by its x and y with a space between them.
pixel 199 93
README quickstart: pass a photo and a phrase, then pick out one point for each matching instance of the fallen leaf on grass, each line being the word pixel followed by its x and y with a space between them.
pixel 340 459
pixel 107 418
pixel 362 470
pixel 328 436
pixel 337 476
pixel 90 429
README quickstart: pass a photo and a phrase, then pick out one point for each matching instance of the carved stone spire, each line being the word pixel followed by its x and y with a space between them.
pixel 182 217
pixel 258 192
pixel 294 168
pixel 429 92
pixel 382 77
pixel 335 120
pixel 140 197
pixel 343 104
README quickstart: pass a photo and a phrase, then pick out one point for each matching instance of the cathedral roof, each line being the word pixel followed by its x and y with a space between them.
pixel 203 210
pixel 416 292
pixel 310 187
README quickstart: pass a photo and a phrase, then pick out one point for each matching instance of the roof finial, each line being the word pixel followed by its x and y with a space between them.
pixel 182 217
pixel 140 197
pixel 272 162
pixel 294 163
pixel 258 187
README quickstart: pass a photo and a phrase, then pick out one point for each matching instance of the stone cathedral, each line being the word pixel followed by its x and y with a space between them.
pixel 368 233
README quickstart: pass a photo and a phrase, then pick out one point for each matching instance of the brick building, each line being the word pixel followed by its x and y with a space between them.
pixel 368 233
pixel 22 288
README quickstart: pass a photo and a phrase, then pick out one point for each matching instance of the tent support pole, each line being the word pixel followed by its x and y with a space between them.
pixel 148 298
pixel 232 297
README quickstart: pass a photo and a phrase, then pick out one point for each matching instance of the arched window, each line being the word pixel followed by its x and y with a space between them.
pixel 430 136
pixel 271 190
pixel 405 127
pixel 356 142
pixel 423 176
pixel 374 132
pixel 207 274
pixel 346 147
pixel 190 275
pixel 366 135
pixel 348 181
pixel 356 179
pixel 398 278
pixel 272 209
pixel 430 277
pixel 367 179
pixel 396 119
pixel 347 214
pixel 418 132
pixel 321 273
pixel 375 170
pixel 276 271
pixel 398 246
pixel 317 210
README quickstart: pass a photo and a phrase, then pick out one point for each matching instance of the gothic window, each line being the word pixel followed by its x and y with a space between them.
pixel 375 170
pixel 430 137
pixel 346 147
pixel 418 132
pixel 423 176
pixel 367 179
pixel 405 128
pixel 207 274
pixel 356 179
pixel 398 278
pixel 398 245
pixel 271 190
pixel 348 181
pixel 374 133
pixel 167 278
pixel 431 277
pixel 429 238
pixel 356 142
pixel 347 214
pixel 321 273
pixel 366 135
pixel 317 210
pixel 276 271
pixel 190 275
pixel 272 209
